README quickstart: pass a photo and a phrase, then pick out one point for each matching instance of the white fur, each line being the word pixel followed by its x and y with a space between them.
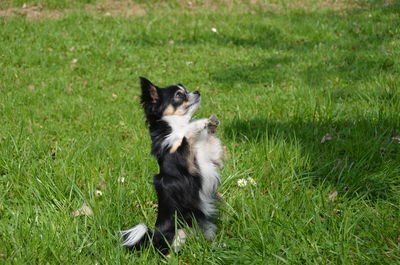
pixel 179 126
pixel 134 235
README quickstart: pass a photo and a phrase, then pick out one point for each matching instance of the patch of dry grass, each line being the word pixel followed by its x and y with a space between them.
pixel 117 8
pixel 107 8
pixel 114 8
pixel 31 12
pixel 336 5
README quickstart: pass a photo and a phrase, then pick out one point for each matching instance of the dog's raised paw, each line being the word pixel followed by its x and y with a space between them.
pixel 213 120
pixel 213 123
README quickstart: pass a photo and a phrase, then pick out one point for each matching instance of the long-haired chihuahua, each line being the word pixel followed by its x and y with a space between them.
pixel 189 155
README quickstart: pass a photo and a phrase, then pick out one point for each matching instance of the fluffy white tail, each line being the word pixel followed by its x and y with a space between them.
pixel 134 235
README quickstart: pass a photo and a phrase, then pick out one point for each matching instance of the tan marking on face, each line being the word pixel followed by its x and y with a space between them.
pixel 169 111
pixel 179 111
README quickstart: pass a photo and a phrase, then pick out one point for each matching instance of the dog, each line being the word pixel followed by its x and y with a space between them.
pixel 189 156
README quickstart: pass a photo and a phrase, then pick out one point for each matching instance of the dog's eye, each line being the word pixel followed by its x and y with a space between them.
pixel 179 95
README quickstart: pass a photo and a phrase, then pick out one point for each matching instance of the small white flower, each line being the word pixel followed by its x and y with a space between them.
pixel 252 181
pixel 396 138
pixel 214 30
pixel 74 61
pixel 242 182
pixel 326 138
pixel 99 193
pixel 121 179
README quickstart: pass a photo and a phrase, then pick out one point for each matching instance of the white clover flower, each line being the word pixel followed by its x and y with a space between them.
pixel 121 180
pixel 99 193
pixel 214 30
pixel 242 182
pixel 252 181
pixel 396 138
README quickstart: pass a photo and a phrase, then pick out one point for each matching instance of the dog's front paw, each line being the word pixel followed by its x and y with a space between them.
pixel 213 123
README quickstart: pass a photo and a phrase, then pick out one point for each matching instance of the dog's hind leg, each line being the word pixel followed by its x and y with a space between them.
pixel 164 233
pixel 208 229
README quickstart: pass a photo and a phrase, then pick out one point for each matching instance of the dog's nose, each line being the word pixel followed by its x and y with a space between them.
pixel 196 92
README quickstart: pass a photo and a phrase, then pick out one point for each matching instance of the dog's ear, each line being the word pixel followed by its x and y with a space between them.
pixel 149 91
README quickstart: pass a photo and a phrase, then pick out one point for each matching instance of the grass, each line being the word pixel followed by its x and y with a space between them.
pixel 279 77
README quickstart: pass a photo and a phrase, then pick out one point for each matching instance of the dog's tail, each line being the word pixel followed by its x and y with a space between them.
pixel 135 236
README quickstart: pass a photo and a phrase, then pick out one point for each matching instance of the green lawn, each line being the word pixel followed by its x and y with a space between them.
pixel 280 75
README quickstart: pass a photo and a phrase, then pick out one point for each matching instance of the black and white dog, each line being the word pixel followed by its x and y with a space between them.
pixel 189 155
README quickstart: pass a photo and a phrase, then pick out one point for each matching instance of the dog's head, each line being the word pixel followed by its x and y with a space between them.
pixel 168 101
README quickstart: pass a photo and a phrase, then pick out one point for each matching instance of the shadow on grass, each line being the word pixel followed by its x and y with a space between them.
pixel 265 70
pixel 323 48
pixel 342 51
pixel 361 158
